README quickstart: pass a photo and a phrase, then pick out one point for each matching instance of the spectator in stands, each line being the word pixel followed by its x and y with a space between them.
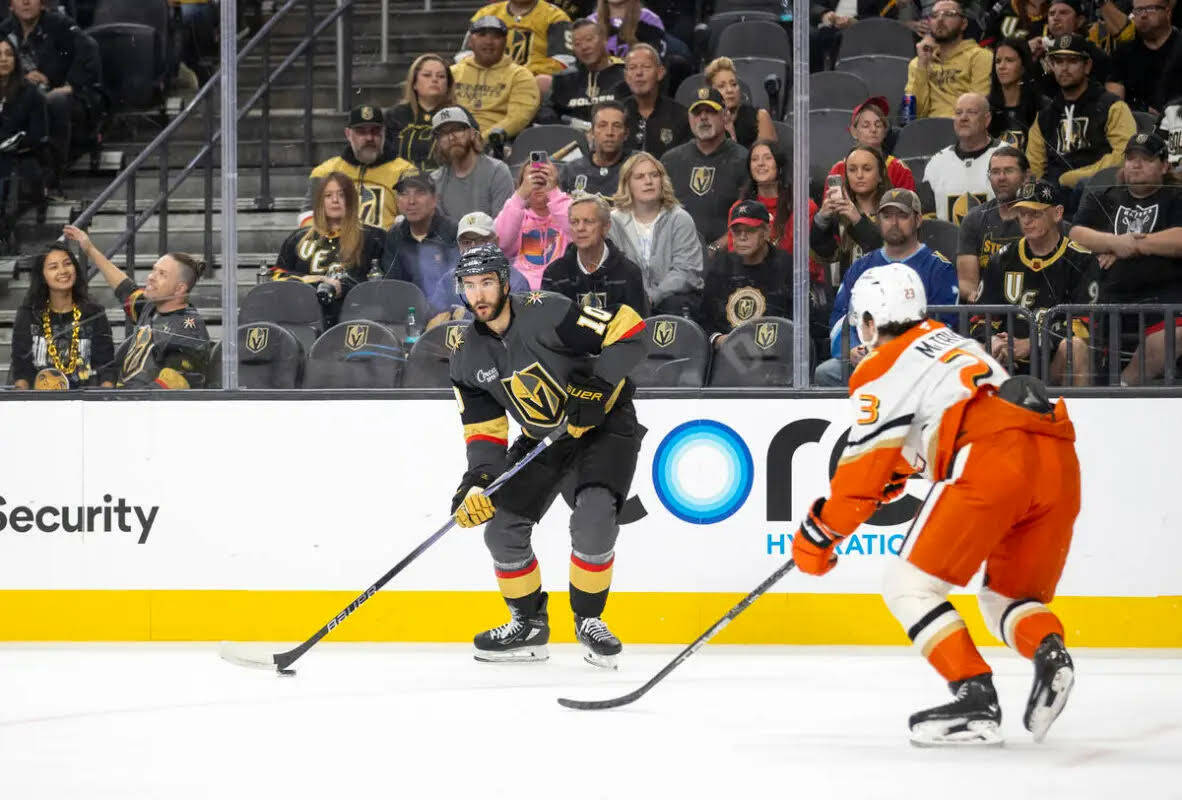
pixel 744 123
pixel 628 24
pixel 467 180
pixel 959 174
pixel 533 228
pixel 58 57
pixel 1084 129
pixel 170 346
pixel 826 22
pixel 656 122
pixel 707 171
pixel 946 64
pixel 1170 130
pixel 1113 28
pixel 430 86
pixel 898 221
pixel 769 181
pixel 59 329
pixel 1136 229
pixel 23 130
pixel 502 95
pixel 1021 19
pixel 1041 270
pixel 337 249
pixel 1015 95
pixel 537 37
pixel 653 231
pixel 196 23
pixel 869 126
pixel 473 230
pixel 599 173
pixel 597 77
pixel 989 227
pixel 593 271
pixel 372 166
pixel 421 247
pixel 846 225
pixel 752 282
pixel 1139 66
pixel 1064 18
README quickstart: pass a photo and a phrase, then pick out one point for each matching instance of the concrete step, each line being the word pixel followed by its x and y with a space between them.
pixel 327 123
pixel 283 152
pixel 402 21
pixel 262 231
pixel 324 72
pixel 246 205
pixel 285 182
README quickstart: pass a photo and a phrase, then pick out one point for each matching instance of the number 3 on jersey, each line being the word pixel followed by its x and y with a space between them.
pixel 868 405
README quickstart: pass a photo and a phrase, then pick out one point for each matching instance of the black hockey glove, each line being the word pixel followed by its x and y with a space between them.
pixel 473 478
pixel 586 403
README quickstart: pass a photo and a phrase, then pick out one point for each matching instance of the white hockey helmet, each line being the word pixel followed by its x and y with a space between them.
pixel 890 293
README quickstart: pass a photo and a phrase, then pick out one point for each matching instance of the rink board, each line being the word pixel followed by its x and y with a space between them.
pixel 235 520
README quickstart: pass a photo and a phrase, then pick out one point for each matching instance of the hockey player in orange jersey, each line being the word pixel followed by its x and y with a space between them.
pixel 1004 492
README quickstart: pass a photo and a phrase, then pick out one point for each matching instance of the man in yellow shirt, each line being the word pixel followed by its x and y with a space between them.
pixel 946 64
pixel 500 94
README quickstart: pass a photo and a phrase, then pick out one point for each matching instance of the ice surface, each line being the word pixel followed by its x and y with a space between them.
pixel 402 721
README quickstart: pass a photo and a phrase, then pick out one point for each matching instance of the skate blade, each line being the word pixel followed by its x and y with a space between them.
pixel 603 662
pixel 520 655
pixel 1043 715
pixel 978 733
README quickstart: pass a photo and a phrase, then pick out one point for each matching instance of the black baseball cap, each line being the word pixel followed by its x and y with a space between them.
pixel 1070 44
pixel 416 180
pixel 709 97
pixel 1037 195
pixel 1150 144
pixel 365 115
pixel 750 212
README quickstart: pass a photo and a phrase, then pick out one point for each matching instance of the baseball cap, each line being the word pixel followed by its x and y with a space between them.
pixel 1070 44
pixel 901 198
pixel 420 180
pixel 477 222
pixel 877 101
pixel 1037 195
pixel 489 23
pixel 451 114
pixel 750 212
pixel 365 115
pixel 1148 143
pixel 709 97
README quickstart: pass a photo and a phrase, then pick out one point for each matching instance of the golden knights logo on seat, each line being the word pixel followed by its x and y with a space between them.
pixel 454 337
pixel 701 180
pixel 664 332
pixel 766 335
pixel 356 336
pixel 536 395
pixel 256 339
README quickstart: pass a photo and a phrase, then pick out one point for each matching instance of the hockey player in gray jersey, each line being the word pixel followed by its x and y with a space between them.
pixel 546 362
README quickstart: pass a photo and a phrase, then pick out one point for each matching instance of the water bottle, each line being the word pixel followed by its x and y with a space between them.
pixel 375 272
pixel 907 109
pixel 412 327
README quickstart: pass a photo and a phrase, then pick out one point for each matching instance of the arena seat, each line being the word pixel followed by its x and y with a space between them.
pixel 428 364
pixel 678 353
pixel 387 302
pixel 290 304
pixel 757 353
pixel 269 357
pixel 359 354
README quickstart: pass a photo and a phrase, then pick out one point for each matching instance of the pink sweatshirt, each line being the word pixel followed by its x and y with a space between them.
pixel 531 242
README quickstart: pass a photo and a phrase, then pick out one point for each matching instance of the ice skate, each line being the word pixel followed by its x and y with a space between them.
pixel 1054 675
pixel 973 718
pixel 520 639
pixel 603 647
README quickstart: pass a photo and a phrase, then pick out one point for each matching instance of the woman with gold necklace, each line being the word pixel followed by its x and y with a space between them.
pixel 61 339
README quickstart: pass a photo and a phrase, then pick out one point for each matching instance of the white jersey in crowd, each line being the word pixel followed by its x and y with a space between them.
pixel 959 180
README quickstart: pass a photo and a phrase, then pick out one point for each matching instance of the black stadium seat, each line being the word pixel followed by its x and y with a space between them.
pixel 133 40
pixel 687 92
pixel 837 90
pixel 719 22
pixel 940 236
pixel 754 38
pixel 925 137
pixel 678 353
pixel 360 354
pixel 429 360
pixel 877 36
pixel 757 353
pixel 291 304
pixel 885 76
pixel 550 138
pixel 269 357
pixel 829 140
pixel 753 74
pixel 387 302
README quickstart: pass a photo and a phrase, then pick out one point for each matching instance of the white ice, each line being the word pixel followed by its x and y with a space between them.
pixel 400 721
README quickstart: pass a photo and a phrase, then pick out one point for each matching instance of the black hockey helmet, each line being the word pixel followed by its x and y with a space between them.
pixel 479 260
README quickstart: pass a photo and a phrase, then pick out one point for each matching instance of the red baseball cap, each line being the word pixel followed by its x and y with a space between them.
pixel 878 102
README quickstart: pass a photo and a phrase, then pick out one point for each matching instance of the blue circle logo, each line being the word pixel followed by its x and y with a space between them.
pixel 702 472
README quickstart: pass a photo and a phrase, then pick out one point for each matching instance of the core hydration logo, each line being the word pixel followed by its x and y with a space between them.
pixel 702 472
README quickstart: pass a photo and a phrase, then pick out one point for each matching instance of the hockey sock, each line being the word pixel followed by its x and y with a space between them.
pixel 521 585
pixel 590 580
pixel 945 642
pixel 1025 623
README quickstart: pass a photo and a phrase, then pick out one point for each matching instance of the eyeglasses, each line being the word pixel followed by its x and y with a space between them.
pixel 1146 10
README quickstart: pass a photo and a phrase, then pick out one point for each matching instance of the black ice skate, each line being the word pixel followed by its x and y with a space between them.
pixel 520 639
pixel 973 718
pixel 602 645
pixel 1054 675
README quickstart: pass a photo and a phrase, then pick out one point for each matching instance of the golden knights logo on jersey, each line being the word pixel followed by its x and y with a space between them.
pixel 1013 287
pixel 518 45
pixel 536 395
pixel 1135 220
pixel 454 337
pixel 961 204
pixel 370 208
pixel 701 180
pixel 744 304
pixel 1073 134
pixel 137 354
pixel 592 300
pixel 766 335
pixel 257 338
pixel 664 333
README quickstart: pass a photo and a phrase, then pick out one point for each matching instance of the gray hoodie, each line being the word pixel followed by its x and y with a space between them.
pixel 675 263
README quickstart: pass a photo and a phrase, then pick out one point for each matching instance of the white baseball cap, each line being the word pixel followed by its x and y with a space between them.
pixel 477 222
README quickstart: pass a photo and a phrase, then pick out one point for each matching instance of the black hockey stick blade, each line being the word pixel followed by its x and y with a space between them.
pixel 636 694
pixel 281 662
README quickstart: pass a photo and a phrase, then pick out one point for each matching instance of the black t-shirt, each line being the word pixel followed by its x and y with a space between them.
pixel 1141 279
pixel 666 128
pixel 736 292
pixel 1140 71
pixel 95 350
pixel 707 185
pixel 586 176
pixel 174 340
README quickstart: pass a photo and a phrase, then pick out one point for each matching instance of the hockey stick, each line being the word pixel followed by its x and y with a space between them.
pixel 633 696
pixel 234 653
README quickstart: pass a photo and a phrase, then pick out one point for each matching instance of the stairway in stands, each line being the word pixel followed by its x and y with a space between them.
pixel 413 31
